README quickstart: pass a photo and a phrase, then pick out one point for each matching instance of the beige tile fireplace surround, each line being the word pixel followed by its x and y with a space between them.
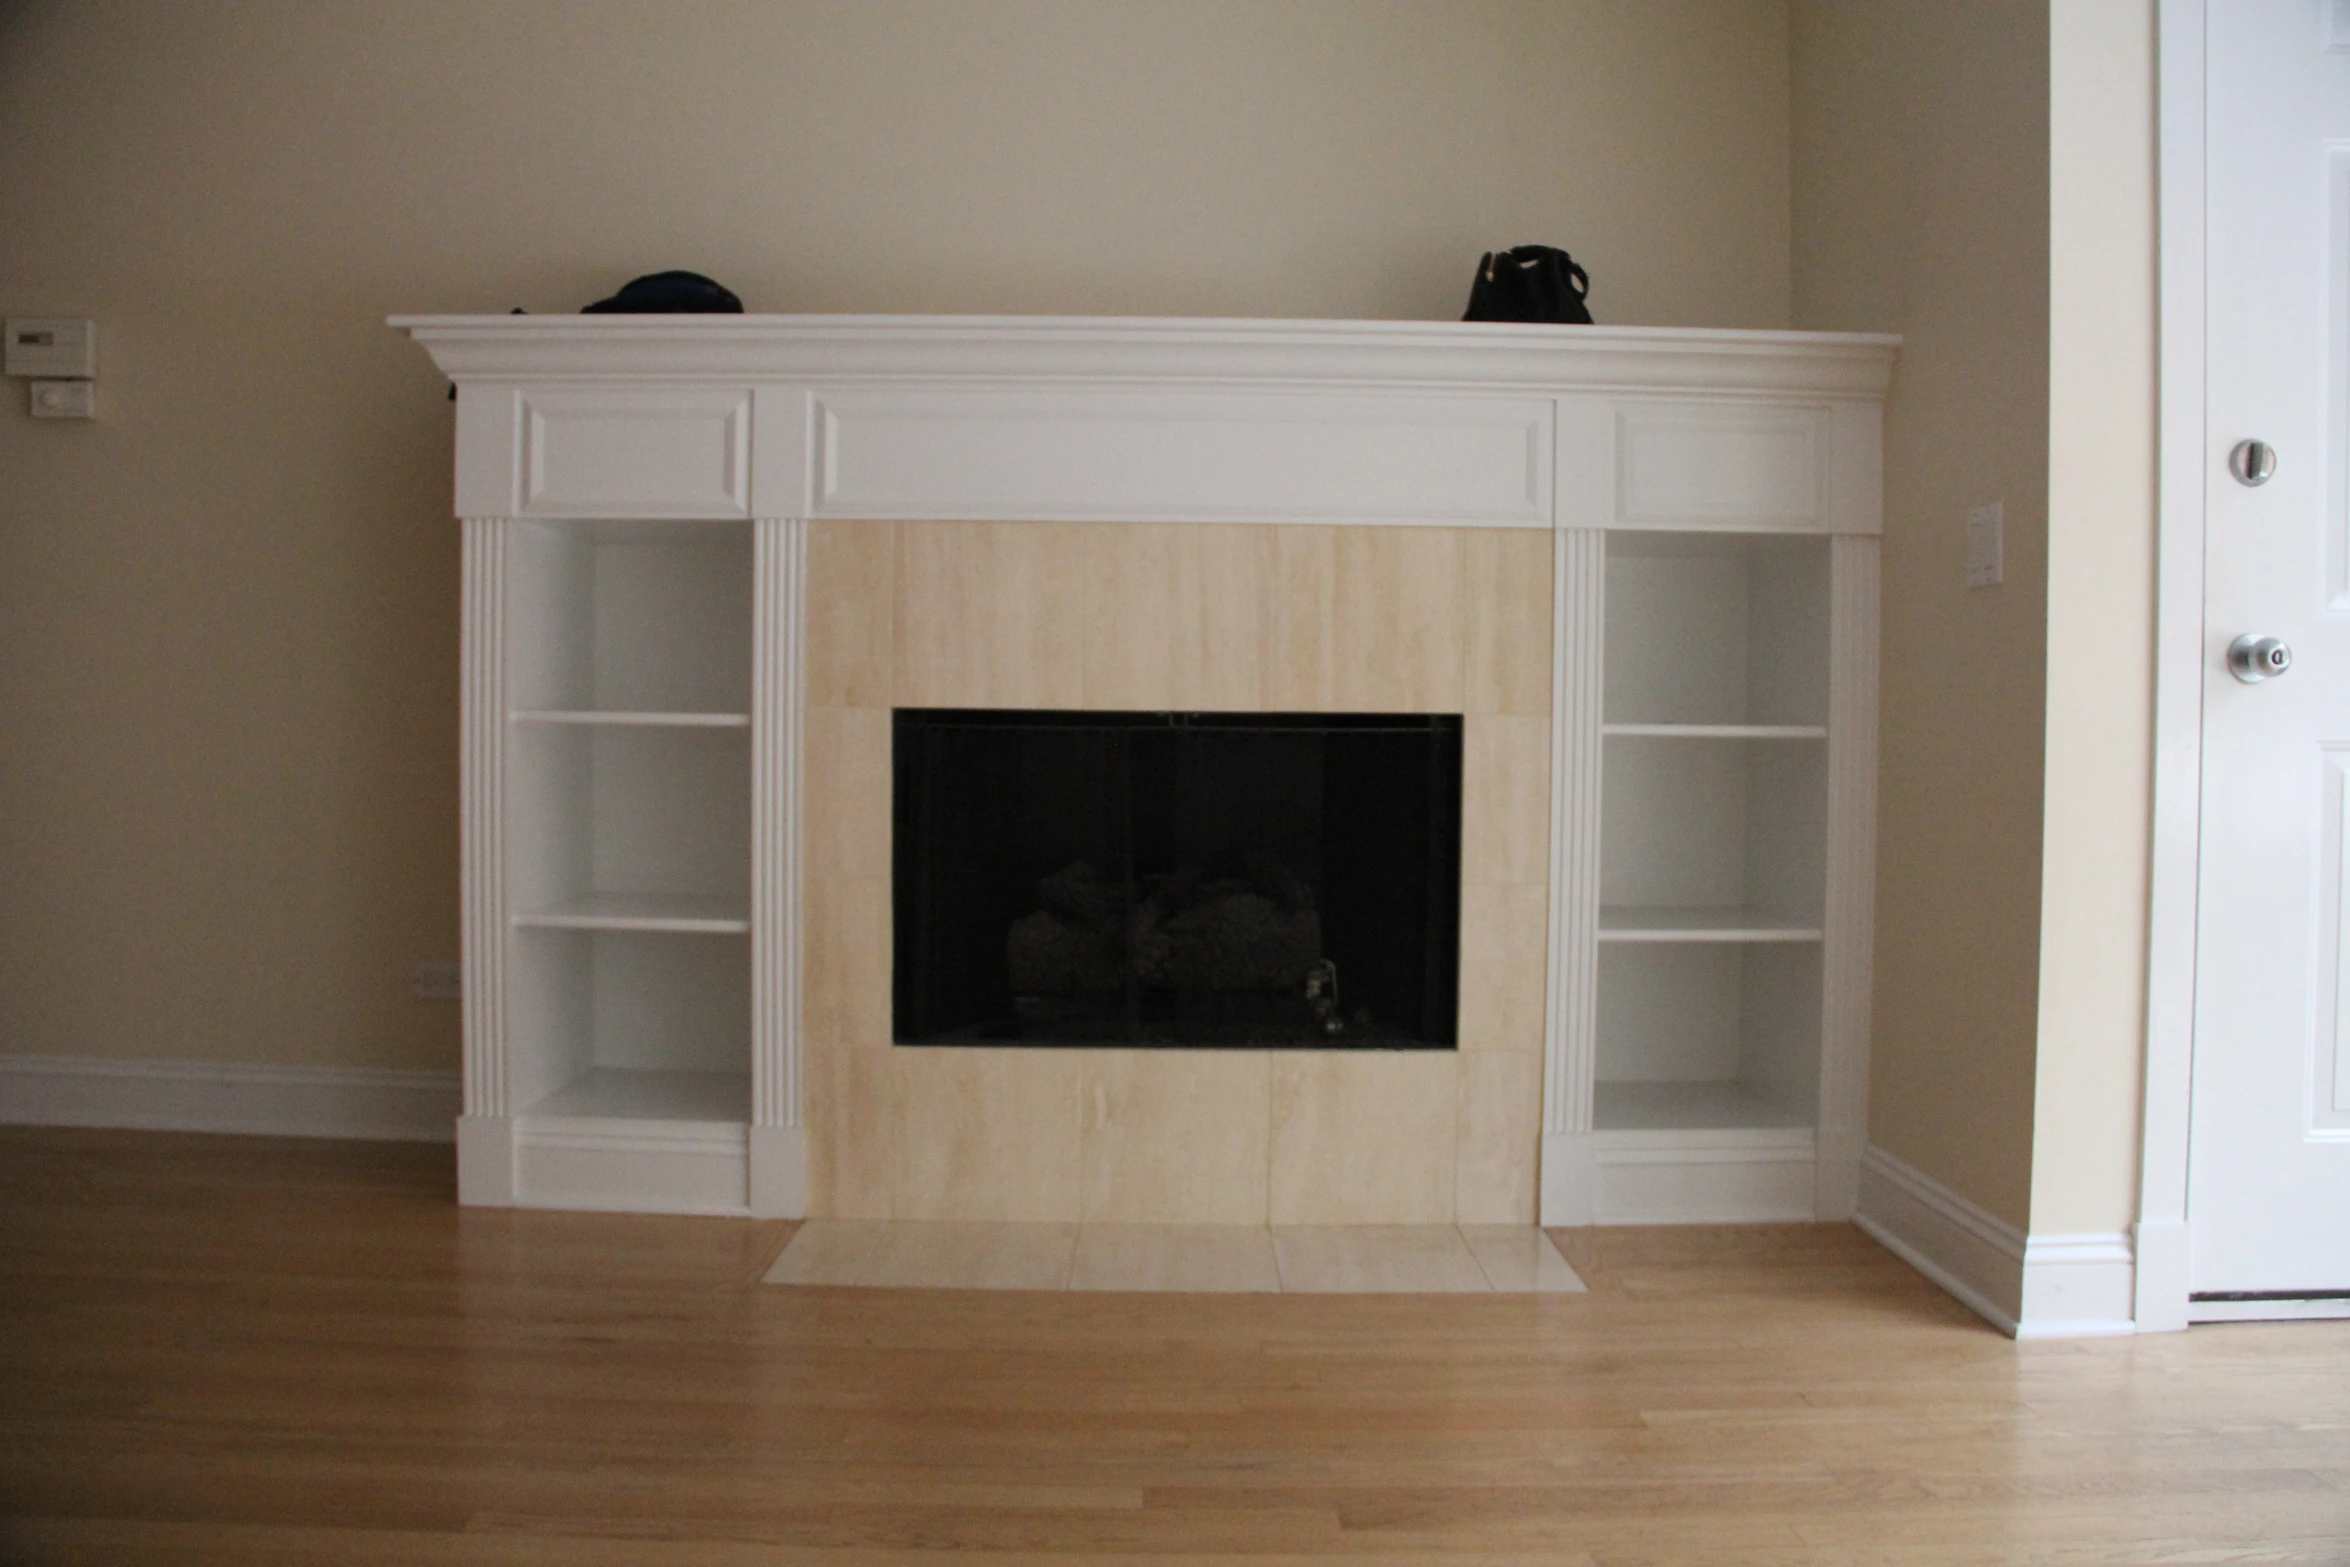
pixel 1227 617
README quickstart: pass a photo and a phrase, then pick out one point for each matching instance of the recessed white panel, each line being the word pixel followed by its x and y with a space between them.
pixel 2336 456
pixel 1676 639
pixel 673 623
pixel 1716 628
pixel 642 452
pixel 1176 457
pixel 672 1002
pixel 671 812
pixel 654 618
pixel 1669 1012
pixel 2330 1061
pixel 1721 466
pixel 1673 818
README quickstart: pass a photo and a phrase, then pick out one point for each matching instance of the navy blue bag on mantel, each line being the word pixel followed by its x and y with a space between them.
pixel 668 293
pixel 1529 283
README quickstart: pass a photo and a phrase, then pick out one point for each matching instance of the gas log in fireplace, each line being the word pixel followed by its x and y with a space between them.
pixel 1195 880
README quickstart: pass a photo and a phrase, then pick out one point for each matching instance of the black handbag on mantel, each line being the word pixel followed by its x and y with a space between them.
pixel 668 293
pixel 1529 283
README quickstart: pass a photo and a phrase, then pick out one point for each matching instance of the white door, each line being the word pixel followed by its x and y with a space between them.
pixel 2269 1151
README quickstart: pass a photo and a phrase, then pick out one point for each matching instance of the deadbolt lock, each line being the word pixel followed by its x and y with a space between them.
pixel 2253 463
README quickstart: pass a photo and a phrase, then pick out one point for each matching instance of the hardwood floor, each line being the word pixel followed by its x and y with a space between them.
pixel 240 1350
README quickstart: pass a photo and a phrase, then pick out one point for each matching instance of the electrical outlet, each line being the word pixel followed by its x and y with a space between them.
pixel 437 981
pixel 1985 555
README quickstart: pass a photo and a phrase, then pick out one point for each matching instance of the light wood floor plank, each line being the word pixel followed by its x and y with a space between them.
pixel 243 1350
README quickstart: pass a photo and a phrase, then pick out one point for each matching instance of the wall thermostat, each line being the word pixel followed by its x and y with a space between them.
pixel 52 348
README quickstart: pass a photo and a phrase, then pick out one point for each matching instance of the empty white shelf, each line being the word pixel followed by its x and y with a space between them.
pixel 644 720
pixel 1619 923
pixel 618 1093
pixel 1712 1106
pixel 670 911
pixel 1720 731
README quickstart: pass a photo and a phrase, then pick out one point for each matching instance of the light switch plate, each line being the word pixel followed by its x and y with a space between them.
pixel 65 399
pixel 51 346
pixel 1985 552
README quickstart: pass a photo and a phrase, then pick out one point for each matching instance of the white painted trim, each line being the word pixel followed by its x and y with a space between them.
pixel 1756 1175
pixel 1570 1175
pixel 778 1172
pixel 1041 350
pixel 210 1096
pixel 1578 649
pixel 2077 1286
pixel 1846 960
pixel 2161 1284
pixel 2028 1287
pixel 1571 999
pixel 616 1165
pixel 777 686
pixel 2160 1303
pixel 482 813
pixel 1968 1250
pixel 485 1161
pixel 1124 453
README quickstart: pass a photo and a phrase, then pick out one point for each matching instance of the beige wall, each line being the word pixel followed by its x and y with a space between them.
pixel 1921 187
pixel 2101 533
pixel 1233 618
pixel 227 611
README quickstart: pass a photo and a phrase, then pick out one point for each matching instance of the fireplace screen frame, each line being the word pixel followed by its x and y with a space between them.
pixel 1369 806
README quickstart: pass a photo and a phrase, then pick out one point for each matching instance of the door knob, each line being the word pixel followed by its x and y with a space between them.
pixel 2253 658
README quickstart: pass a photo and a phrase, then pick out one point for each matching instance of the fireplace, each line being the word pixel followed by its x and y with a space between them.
pixel 1176 880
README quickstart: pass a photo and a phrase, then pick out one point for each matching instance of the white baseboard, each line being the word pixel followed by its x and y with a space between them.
pixel 208 1096
pixel 2162 1275
pixel 1740 1176
pixel 630 1166
pixel 2078 1286
pixel 779 1183
pixel 2040 1286
pixel 1568 1176
pixel 1974 1254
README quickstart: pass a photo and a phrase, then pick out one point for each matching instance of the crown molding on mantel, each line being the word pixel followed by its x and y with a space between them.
pixel 1405 355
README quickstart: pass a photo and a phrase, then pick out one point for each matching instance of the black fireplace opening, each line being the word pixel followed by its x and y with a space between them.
pixel 1195 880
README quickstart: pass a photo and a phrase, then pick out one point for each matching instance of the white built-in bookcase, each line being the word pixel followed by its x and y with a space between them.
pixel 636 492
pixel 1713 832
pixel 628 811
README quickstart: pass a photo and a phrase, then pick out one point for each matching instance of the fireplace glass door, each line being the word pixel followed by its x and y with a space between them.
pixel 1188 880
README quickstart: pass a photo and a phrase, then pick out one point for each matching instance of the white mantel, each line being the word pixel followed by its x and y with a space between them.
pixel 1399 355
pixel 779 421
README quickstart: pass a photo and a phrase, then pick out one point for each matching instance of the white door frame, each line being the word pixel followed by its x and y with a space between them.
pixel 2161 1241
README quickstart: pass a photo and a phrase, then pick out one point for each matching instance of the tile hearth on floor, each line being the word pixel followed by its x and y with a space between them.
pixel 1217 1259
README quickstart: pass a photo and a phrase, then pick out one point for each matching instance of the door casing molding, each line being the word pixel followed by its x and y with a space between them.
pixel 2181 438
